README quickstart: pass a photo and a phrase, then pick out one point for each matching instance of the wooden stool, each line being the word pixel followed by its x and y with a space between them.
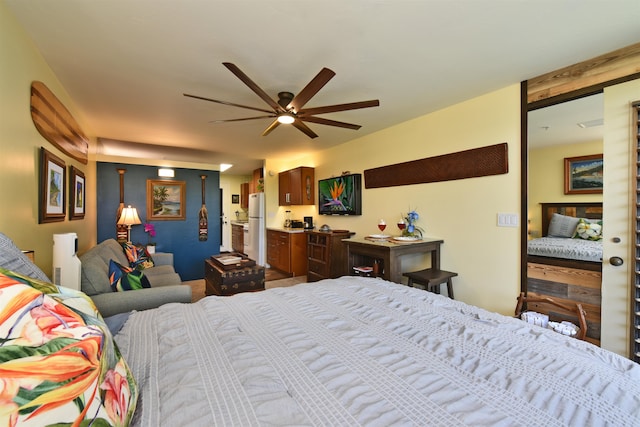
pixel 432 279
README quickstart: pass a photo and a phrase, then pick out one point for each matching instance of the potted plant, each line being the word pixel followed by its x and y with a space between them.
pixel 150 229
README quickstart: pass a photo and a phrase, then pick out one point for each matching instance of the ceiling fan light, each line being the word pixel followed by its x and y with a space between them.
pixel 286 118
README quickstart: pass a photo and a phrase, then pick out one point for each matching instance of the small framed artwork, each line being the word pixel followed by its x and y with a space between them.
pixel 76 193
pixel 51 202
pixel 166 200
pixel 235 199
pixel 583 175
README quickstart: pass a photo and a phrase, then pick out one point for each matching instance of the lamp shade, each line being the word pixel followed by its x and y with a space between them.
pixel 129 216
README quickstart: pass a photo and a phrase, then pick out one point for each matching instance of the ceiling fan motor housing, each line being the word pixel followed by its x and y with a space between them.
pixel 284 98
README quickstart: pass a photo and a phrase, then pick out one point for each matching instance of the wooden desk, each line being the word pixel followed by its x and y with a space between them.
pixel 362 251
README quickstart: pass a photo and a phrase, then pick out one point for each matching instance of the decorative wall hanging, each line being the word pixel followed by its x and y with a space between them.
pixel 121 229
pixel 166 200
pixel 477 162
pixel 203 225
pixel 583 175
pixel 76 193
pixel 55 123
pixel 52 188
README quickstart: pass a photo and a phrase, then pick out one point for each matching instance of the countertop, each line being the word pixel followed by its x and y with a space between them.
pixel 286 230
pixel 240 223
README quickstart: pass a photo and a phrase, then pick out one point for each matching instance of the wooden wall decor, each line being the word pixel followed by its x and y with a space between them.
pixel 55 123
pixel 477 162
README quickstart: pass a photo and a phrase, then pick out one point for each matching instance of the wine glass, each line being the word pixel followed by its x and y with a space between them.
pixel 401 225
pixel 382 225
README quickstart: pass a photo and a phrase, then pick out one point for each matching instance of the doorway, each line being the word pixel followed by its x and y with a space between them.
pixel 618 159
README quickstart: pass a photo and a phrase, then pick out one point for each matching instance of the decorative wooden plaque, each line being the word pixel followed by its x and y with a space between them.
pixel 477 162
pixel 55 123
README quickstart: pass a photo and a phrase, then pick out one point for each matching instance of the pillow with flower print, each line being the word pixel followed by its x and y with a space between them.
pixel 588 230
pixel 59 364
pixel 124 278
pixel 138 256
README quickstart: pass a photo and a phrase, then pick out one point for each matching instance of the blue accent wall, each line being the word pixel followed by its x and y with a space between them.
pixel 177 237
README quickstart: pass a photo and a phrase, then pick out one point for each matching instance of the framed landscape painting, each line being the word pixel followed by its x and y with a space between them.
pixel 76 193
pixel 166 200
pixel 51 202
pixel 583 175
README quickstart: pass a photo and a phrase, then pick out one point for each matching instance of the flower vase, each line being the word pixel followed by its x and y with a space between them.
pixel 151 249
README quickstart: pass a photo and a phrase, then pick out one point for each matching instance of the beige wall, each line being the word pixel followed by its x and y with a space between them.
pixel 20 143
pixel 462 213
pixel 546 179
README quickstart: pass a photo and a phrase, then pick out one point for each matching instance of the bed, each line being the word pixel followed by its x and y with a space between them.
pixel 364 351
pixel 338 352
pixel 562 266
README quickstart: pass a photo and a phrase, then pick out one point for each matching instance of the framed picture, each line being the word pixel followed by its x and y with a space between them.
pixel 583 175
pixel 166 200
pixel 51 202
pixel 235 198
pixel 76 193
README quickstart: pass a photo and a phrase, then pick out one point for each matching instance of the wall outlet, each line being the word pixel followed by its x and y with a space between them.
pixel 507 220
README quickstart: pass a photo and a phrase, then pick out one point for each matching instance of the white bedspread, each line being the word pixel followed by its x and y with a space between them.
pixel 361 351
pixel 567 248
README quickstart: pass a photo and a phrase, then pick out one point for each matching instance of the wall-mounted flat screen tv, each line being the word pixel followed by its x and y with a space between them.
pixel 341 195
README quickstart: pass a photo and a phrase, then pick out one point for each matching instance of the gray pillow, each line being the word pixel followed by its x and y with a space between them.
pixel 562 226
pixel 12 258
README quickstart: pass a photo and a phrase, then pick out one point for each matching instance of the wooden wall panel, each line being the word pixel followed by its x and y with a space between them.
pixel 477 162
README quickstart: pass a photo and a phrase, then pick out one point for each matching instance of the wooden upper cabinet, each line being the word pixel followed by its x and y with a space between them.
pixel 296 187
pixel 256 185
pixel 244 195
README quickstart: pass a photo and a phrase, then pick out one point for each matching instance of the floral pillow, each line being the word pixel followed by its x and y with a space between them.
pixel 588 230
pixel 138 256
pixel 124 278
pixel 59 364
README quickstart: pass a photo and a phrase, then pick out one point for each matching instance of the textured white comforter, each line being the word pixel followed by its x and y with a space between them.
pixel 361 351
pixel 567 248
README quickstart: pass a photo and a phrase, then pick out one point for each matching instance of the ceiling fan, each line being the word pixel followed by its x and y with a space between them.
pixel 288 109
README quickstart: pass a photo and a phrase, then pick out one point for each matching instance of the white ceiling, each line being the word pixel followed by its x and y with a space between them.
pixel 126 63
pixel 560 123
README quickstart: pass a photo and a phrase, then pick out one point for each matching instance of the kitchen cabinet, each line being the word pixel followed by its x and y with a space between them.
pixel 296 187
pixel 326 254
pixel 244 195
pixel 256 185
pixel 237 237
pixel 287 252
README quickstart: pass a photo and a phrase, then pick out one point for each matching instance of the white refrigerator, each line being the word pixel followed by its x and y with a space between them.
pixel 255 246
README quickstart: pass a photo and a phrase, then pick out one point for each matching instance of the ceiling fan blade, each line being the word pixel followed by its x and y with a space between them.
pixel 338 107
pixel 254 87
pixel 271 127
pixel 227 103
pixel 241 120
pixel 321 121
pixel 304 128
pixel 317 83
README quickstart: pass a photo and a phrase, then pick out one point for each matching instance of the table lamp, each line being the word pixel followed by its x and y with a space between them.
pixel 129 217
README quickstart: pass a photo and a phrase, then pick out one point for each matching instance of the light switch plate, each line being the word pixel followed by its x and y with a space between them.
pixel 507 220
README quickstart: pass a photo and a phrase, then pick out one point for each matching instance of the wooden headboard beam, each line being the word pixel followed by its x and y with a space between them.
pixel 590 210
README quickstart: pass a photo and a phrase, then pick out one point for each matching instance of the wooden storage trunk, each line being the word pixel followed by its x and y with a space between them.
pixel 229 282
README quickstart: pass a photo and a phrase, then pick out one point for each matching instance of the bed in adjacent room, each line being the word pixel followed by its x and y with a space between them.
pixel 566 262
pixel 364 351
